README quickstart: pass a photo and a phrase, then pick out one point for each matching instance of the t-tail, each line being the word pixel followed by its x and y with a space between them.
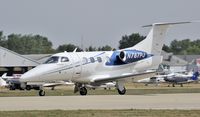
pixel 154 41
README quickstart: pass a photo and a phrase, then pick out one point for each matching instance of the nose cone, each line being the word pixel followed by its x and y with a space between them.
pixel 38 74
pixel 33 74
pixel 29 76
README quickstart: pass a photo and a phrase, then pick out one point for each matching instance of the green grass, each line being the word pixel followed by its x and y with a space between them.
pixel 102 113
pixel 69 92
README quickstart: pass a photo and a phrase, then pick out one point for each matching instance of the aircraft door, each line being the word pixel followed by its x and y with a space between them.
pixel 77 65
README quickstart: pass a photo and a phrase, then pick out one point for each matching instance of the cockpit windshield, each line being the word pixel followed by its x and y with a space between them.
pixel 53 59
pixel 64 59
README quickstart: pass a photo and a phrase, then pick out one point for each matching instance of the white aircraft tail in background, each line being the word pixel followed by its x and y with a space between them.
pixel 96 68
pixel 3 82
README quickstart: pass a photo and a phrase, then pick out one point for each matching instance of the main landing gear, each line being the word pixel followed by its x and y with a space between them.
pixel 120 87
pixel 81 88
pixel 83 91
pixel 122 92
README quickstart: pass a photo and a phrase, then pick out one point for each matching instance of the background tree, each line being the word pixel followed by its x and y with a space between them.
pixel 29 44
pixel 131 40
pixel 166 48
pixel 90 48
pixel 68 48
pixel 3 41
pixel 184 47
pixel 105 48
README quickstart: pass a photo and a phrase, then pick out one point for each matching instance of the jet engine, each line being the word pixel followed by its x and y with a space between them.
pixel 126 56
pixel 129 56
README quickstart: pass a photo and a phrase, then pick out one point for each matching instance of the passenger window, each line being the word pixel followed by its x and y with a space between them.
pixel 92 60
pixel 85 60
pixel 64 59
pixel 99 59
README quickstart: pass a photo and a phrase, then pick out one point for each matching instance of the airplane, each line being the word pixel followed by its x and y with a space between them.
pixel 152 80
pixel 159 78
pixel 182 79
pixel 95 68
pixel 12 82
pixel 3 83
pixel 107 85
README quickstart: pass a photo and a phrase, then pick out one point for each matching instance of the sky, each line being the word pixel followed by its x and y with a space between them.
pixel 97 22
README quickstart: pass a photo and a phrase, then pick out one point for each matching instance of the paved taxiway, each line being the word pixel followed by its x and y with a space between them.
pixel 157 101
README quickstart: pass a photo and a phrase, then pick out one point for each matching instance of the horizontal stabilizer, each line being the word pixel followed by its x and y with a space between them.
pixel 170 23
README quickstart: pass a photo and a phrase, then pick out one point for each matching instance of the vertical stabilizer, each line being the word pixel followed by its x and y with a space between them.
pixel 154 41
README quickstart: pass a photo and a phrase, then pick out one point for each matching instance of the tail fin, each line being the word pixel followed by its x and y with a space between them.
pixel 153 43
pixel 4 75
pixel 195 76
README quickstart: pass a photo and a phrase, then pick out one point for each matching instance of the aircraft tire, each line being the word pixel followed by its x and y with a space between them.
pixel 41 93
pixel 83 91
pixel 52 88
pixel 12 87
pixel 122 92
pixel 28 87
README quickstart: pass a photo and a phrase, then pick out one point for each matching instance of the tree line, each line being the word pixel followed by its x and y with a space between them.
pixel 37 44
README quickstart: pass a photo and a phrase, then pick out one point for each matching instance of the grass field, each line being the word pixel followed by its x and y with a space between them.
pixel 132 89
pixel 102 113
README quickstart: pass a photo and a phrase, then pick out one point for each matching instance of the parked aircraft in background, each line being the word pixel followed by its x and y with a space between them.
pixel 96 68
pixel 12 82
pixel 171 78
pixel 107 85
pixel 3 82
pixel 181 79
pixel 152 80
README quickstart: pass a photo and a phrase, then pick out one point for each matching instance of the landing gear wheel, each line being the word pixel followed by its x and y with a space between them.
pixel 41 93
pixel 83 91
pixel 173 85
pixel 52 88
pixel 122 92
pixel 28 87
pixel 12 87
pixel 181 85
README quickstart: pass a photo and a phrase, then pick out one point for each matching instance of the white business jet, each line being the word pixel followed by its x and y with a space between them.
pixel 96 68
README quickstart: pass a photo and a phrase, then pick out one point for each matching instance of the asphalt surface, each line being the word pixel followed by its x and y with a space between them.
pixel 157 101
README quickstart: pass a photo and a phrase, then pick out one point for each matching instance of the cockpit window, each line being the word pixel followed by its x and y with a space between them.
pixel 53 59
pixel 64 59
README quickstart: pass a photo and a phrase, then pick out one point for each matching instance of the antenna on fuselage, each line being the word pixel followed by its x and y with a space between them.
pixel 75 50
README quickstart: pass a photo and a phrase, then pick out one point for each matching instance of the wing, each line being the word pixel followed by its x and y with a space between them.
pixel 57 84
pixel 109 78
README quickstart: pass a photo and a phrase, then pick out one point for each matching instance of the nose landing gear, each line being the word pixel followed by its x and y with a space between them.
pixel 79 87
pixel 41 93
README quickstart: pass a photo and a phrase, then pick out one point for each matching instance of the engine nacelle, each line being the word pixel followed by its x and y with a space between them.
pixel 126 56
pixel 129 56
